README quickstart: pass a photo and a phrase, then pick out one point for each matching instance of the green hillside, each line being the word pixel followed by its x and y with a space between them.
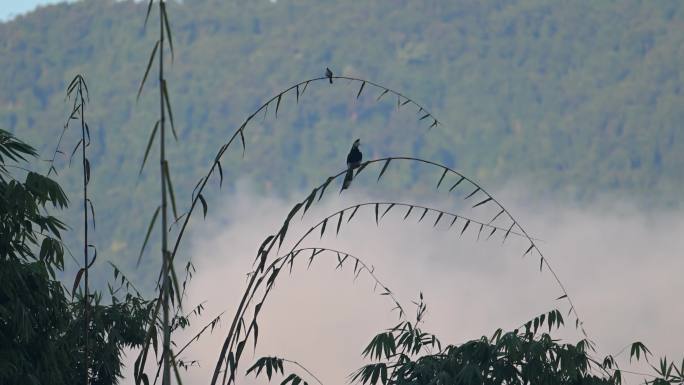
pixel 575 99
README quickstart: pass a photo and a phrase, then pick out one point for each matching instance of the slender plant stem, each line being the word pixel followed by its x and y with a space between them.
pixel 85 240
pixel 166 376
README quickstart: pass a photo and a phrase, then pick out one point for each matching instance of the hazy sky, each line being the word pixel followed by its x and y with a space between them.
pixel 11 8
pixel 622 268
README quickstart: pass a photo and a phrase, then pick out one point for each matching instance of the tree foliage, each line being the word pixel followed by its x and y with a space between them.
pixel 41 325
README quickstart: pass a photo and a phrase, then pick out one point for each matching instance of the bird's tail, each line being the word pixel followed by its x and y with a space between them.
pixel 348 178
pixel 330 79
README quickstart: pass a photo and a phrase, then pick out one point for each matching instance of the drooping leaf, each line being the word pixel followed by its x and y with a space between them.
pixel 438 218
pixel 408 212
pixel 147 235
pixel 387 210
pixel 325 222
pixel 80 141
pixel 167 176
pixel 278 105
pixel 165 16
pixel 497 215
pixel 356 208
pixel 472 193
pixel 384 167
pixel 483 202
pixel 377 207
pixel 528 250
pixel 457 183
pixel 167 102
pixel 363 84
pixel 220 173
pixel 204 204
pixel 423 215
pixel 149 65
pixel 465 226
pixel 339 222
pixel 442 177
pixel 77 280
pixel 149 145
pixel 149 9
pixel 86 170
pixel 382 94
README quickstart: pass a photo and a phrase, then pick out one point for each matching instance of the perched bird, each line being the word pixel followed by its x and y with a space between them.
pixel 353 161
pixel 328 74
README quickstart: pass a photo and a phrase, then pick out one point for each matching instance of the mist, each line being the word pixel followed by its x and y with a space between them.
pixel 620 265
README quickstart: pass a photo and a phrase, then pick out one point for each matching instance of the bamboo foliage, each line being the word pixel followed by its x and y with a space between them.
pixel 77 91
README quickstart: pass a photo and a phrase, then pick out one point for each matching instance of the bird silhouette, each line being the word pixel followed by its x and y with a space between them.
pixel 328 74
pixel 353 161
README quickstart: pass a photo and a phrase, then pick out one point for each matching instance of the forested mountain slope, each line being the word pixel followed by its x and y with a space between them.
pixel 577 99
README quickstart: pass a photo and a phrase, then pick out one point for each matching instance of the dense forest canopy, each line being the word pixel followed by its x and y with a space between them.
pixel 574 100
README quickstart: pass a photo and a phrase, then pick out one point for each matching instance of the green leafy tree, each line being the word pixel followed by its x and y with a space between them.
pixel 41 326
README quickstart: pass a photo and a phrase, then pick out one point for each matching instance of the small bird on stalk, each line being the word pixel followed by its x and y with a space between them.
pixel 328 74
pixel 353 161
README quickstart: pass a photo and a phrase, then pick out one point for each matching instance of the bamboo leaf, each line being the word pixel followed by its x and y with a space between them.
pixel 242 138
pixel 480 231
pixel 497 215
pixel 423 216
pixel 363 84
pixel 424 117
pixel 438 218
pixel 408 212
pixel 528 250
pixel 465 226
pixel 77 280
pixel 92 210
pixel 361 167
pixel 377 207
pixel 147 236
pixel 453 221
pixel 472 193
pixel 434 123
pixel 278 105
pixel 297 92
pixel 382 94
pixel 387 162
pixel 220 173
pixel 325 222
pixel 508 232
pixel 149 65
pixel 74 151
pixel 339 223
pixel 491 233
pixel 456 184
pixel 352 214
pixel 168 108
pixel 204 204
pixel 149 9
pixel 442 177
pixel 167 176
pixel 387 210
pixel 165 16
pixel 324 186
pixel 483 202
pixel 86 170
pixel 149 145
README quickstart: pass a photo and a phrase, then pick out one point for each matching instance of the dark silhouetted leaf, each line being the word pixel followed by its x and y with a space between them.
pixel 77 281
pixel 483 202
pixel 204 204
pixel 456 184
pixel 465 226
pixel 147 236
pixel 442 177
pixel 149 145
pixel 384 167
pixel 472 193
pixel 363 84
pixel 147 71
